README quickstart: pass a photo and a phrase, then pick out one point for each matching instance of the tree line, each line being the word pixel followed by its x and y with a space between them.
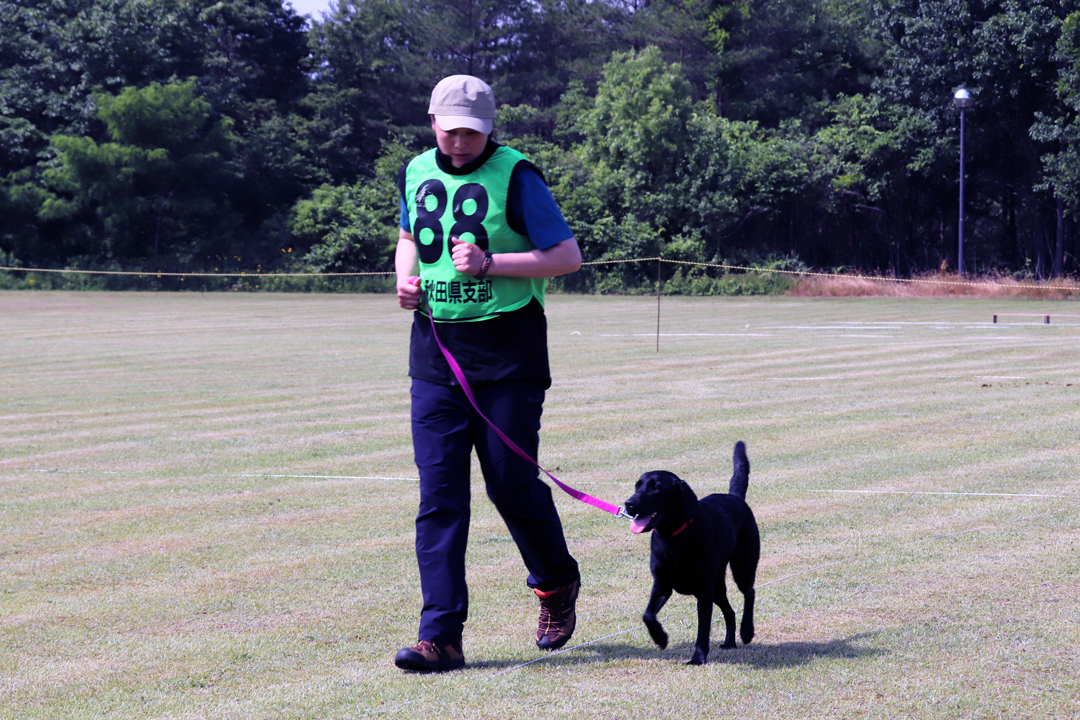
pixel 208 136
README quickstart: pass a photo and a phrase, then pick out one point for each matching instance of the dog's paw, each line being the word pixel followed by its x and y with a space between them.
pixel 659 637
pixel 746 633
pixel 698 658
pixel 656 632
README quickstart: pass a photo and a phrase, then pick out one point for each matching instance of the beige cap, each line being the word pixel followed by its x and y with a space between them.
pixel 463 101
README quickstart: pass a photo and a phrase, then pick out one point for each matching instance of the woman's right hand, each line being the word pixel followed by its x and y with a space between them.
pixel 408 293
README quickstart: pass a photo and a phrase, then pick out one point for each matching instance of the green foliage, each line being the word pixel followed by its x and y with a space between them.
pixel 629 201
pixel 667 177
pixel 1006 53
pixel 151 185
pixel 8 280
pixel 1059 128
pixel 345 232
pixel 739 171
pixel 858 158
pixel 637 122
pixel 786 59
pixel 352 228
pixel 248 60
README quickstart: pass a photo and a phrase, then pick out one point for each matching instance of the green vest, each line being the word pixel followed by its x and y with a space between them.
pixel 471 207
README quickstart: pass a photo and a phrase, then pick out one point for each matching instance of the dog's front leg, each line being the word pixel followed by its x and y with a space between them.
pixel 658 597
pixel 704 619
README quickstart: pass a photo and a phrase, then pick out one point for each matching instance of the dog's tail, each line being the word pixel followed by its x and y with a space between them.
pixel 740 479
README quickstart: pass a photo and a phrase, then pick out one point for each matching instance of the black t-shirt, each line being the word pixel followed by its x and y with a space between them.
pixel 507 347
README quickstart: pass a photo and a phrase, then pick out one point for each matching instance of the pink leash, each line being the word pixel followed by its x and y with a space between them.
pixel 460 375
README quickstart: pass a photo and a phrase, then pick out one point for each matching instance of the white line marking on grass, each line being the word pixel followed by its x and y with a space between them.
pixel 1009 338
pixel 826 327
pixel 685 335
pixel 803 572
pixel 927 492
pixel 394 707
pixel 1048 512
pixel 949 535
pixel 73 472
pixel 330 477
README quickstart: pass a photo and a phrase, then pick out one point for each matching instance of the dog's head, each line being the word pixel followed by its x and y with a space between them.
pixel 660 501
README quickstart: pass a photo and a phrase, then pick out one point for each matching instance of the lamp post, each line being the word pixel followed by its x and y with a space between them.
pixel 963 100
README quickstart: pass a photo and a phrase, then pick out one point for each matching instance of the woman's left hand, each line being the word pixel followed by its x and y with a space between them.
pixel 468 257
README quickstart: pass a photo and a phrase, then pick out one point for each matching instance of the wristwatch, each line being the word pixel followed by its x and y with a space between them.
pixel 484 268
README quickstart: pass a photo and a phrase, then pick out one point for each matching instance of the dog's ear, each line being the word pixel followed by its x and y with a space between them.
pixel 688 497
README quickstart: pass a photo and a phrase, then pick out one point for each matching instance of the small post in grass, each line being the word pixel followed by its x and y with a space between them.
pixel 659 265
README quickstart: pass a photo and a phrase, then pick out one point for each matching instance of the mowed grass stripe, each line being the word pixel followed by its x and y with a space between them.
pixel 201 510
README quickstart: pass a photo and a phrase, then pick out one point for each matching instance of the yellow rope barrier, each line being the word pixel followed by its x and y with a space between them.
pixel 801 273
pixel 137 273
pixel 616 262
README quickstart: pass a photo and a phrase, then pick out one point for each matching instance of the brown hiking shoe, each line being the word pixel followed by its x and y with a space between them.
pixel 557 616
pixel 426 656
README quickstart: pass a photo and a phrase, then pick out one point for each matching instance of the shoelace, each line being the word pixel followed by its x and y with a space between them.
pixel 427 645
pixel 553 614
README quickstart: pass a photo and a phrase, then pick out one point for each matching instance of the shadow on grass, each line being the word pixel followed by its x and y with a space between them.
pixel 792 654
pixel 758 655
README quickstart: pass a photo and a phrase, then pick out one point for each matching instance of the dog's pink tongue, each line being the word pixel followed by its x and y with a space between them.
pixel 639 524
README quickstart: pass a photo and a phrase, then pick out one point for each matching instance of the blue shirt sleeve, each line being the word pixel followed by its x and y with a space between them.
pixel 533 209
pixel 405 216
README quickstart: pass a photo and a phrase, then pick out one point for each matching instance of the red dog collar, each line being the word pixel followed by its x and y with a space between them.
pixel 681 528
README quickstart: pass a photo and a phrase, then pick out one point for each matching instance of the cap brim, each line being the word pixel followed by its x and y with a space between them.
pixel 453 122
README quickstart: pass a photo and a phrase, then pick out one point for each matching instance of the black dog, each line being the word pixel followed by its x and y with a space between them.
pixel 692 544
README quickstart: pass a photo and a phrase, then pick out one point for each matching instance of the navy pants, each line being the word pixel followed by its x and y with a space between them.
pixel 445 430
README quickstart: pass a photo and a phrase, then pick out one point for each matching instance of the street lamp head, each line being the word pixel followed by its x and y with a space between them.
pixel 962 99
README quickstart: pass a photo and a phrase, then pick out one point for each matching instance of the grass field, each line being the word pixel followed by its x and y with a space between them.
pixel 207 502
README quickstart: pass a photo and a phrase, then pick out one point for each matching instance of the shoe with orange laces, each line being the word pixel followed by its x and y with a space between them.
pixel 557 616
pixel 426 656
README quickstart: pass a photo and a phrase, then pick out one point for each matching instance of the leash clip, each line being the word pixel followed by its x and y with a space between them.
pixel 622 513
